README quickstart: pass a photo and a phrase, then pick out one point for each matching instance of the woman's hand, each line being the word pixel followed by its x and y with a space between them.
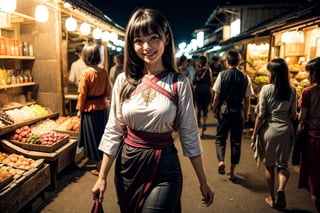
pixel 207 194
pixel 99 189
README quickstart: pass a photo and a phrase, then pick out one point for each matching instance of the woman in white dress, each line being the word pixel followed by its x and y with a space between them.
pixel 150 100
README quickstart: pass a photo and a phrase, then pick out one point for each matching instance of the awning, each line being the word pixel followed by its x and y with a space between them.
pixel 300 16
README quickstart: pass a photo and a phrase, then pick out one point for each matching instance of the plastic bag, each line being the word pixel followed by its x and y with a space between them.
pixel 97 207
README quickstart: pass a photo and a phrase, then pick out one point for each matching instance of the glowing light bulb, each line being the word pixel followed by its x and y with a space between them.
pixel 71 24
pixel 85 28
pixel 97 33
pixel 42 13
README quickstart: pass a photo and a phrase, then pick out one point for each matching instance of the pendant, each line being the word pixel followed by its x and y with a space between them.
pixel 148 95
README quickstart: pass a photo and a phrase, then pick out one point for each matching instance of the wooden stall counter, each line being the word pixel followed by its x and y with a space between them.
pixel 23 191
pixel 58 160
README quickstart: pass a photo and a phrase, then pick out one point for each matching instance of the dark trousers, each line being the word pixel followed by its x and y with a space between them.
pixel 231 120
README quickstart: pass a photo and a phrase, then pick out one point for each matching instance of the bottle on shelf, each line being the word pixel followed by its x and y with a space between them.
pixel 25 49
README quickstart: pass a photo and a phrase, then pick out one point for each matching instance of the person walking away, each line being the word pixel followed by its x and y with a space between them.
pixel 276 109
pixel 203 82
pixel 230 106
pixel 150 100
pixel 182 66
pixel 309 118
pixel 77 67
pixel 94 88
pixel 215 67
pixel 191 69
pixel 116 69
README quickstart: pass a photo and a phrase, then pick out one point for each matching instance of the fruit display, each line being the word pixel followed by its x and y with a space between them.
pixel 74 124
pixel 4 175
pixel 5 119
pixel 21 134
pixel 262 79
pixel 43 126
pixel 19 161
pixel 39 110
pixel 51 137
pixel 62 119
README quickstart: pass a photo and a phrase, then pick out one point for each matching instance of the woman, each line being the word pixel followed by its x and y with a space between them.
pixel 203 82
pixel 94 87
pixel 150 100
pixel 276 108
pixel 309 118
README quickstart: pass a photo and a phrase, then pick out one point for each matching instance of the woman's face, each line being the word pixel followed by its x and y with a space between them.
pixel 149 48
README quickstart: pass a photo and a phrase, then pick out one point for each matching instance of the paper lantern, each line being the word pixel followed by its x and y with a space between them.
pixel 106 36
pixel 42 13
pixel 8 6
pixel 71 24
pixel 85 29
pixel 97 33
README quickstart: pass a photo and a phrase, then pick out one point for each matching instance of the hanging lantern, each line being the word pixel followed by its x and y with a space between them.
pixel 85 29
pixel 114 37
pixel 106 36
pixel 97 33
pixel 71 24
pixel 41 13
pixel 8 6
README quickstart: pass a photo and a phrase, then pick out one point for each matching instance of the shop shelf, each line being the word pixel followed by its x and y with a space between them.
pixel 17 57
pixel 18 85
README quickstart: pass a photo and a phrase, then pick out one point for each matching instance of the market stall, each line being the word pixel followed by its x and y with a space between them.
pixel 35 47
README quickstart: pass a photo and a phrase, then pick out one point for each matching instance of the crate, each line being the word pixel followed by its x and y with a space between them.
pixel 42 148
pixel 19 196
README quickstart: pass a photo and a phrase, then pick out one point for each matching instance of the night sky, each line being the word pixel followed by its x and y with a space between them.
pixel 183 16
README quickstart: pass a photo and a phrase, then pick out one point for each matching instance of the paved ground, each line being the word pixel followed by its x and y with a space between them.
pixel 246 195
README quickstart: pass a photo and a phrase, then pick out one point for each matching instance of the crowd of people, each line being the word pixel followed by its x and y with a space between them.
pixel 154 94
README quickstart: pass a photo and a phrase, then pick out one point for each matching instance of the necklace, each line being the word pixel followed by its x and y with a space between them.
pixel 148 95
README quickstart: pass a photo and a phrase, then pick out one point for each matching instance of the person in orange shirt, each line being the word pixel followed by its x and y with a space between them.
pixel 94 88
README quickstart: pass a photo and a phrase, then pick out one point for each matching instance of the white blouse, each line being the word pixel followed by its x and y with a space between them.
pixel 156 116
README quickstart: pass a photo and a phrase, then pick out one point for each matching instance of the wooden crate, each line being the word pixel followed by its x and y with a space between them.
pixel 42 148
pixel 19 196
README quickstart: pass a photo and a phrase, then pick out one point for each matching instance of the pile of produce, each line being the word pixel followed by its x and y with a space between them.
pixel 39 110
pixel 26 135
pixel 19 161
pixel 262 79
pixel 21 134
pixel 43 126
pixel 62 119
pixel 74 124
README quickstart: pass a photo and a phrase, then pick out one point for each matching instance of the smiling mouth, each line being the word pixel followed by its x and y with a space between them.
pixel 149 54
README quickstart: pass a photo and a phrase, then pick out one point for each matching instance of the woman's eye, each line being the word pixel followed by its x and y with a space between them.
pixel 137 41
pixel 154 37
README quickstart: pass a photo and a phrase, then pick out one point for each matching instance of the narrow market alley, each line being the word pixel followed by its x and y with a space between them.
pixel 245 195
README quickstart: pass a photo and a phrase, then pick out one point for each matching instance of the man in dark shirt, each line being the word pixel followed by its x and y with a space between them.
pixel 230 106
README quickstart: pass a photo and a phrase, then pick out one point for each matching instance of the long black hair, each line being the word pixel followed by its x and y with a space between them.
pixel 280 78
pixel 144 22
pixel 313 67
